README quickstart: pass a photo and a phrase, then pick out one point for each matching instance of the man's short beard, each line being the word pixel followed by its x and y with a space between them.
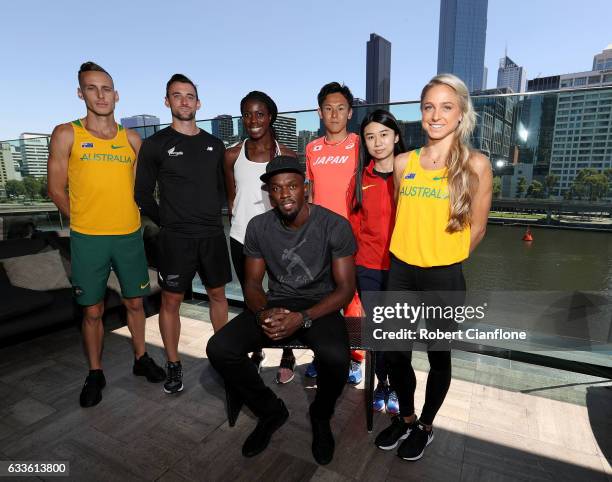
pixel 182 117
pixel 287 218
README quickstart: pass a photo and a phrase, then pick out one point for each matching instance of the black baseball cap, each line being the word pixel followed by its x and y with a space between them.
pixel 281 164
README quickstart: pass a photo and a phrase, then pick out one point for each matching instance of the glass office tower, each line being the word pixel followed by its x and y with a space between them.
pixel 461 44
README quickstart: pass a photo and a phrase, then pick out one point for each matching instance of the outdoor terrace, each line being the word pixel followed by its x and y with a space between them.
pixel 502 420
pixel 532 413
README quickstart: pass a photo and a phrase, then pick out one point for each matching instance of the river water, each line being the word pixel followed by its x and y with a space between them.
pixel 557 259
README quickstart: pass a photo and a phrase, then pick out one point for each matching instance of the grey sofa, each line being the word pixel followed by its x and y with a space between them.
pixel 25 313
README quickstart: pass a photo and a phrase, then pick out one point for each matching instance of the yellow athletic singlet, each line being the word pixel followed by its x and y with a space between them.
pixel 420 236
pixel 101 184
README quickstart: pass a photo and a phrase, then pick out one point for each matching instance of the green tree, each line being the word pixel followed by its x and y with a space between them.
pixel 584 173
pixel 43 188
pixel 535 190
pixel 608 174
pixel 596 186
pixel 550 181
pixel 521 186
pixel 14 188
pixel 32 186
pixel 590 184
pixel 496 186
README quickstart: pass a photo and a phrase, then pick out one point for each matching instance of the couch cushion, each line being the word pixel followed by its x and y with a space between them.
pixel 41 271
pixel 56 242
pixel 4 280
pixel 12 248
pixel 65 260
pixel 20 301
pixel 62 310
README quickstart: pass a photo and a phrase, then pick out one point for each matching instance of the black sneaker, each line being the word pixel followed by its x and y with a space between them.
pixel 91 394
pixel 145 366
pixel 391 436
pixel 414 446
pixel 174 380
pixel 259 438
pixel 322 441
pixel 257 358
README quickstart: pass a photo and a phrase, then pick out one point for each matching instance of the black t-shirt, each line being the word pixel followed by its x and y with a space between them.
pixel 189 172
pixel 298 261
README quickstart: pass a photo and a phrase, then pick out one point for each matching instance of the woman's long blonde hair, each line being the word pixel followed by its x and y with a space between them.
pixel 462 180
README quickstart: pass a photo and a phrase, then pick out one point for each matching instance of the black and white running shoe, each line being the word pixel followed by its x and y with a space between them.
pixel 174 380
pixel 390 437
pixel 413 447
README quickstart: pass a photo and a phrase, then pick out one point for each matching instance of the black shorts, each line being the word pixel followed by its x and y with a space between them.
pixel 180 258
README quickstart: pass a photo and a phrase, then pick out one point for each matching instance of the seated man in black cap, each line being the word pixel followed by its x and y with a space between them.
pixel 307 251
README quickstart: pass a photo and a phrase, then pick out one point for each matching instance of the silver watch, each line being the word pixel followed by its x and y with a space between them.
pixel 306 320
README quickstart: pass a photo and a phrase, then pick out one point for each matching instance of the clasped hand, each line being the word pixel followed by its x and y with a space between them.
pixel 279 323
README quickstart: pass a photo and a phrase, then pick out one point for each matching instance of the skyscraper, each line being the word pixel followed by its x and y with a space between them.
pixel 34 153
pixel 223 128
pixel 462 39
pixel 285 128
pixel 303 139
pixel 582 138
pixel 378 70
pixel 359 113
pixel 146 125
pixel 413 134
pixel 7 167
pixel 493 133
pixel 536 122
pixel 543 83
pixel 603 61
pixel 510 75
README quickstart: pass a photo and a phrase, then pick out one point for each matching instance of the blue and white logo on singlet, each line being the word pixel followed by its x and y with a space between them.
pixel 87 145
pixel 410 175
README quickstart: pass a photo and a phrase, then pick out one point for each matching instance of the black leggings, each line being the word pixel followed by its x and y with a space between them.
pixel 374 280
pixel 406 277
pixel 238 260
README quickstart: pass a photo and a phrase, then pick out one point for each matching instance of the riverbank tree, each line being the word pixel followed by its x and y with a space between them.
pixel 30 187
pixel 590 185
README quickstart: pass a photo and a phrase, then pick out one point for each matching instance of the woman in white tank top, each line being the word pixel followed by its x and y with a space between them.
pixel 244 163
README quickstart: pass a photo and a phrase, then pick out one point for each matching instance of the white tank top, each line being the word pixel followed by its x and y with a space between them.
pixel 250 199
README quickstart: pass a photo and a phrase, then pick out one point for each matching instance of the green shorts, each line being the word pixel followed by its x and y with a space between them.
pixel 92 258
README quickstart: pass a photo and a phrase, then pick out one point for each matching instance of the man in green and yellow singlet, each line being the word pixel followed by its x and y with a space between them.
pixel 96 158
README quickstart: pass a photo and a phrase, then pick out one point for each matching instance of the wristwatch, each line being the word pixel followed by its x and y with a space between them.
pixel 306 320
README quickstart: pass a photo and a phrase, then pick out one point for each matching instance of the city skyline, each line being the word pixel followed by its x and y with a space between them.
pixel 44 93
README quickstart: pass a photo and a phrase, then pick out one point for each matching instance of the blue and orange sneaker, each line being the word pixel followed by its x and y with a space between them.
pixel 392 403
pixel 355 374
pixel 380 397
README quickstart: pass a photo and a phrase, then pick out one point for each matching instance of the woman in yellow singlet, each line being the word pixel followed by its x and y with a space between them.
pixel 443 193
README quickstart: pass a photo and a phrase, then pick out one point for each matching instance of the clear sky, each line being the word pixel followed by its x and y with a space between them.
pixel 288 49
